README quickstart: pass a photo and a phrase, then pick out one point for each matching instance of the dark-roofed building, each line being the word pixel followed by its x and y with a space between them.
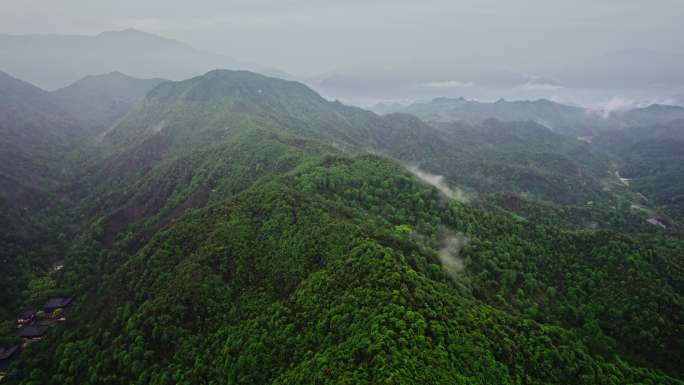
pixel 57 303
pixel 7 355
pixel 26 317
pixel 57 266
pixel 32 332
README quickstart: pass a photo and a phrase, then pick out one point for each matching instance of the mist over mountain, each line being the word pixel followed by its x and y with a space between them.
pixel 98 101
pixel 33 129
pixel 655 114
pixel 645 140
pixel 569 120
pixel 587 81
pixel 555 116
pixel 55 61
pixel 39 129
pixel 626 68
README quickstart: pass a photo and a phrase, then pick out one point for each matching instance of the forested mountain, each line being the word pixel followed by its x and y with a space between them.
pixel 155 171
pixel 643 144
pixel 652 157
pixel 332 272
pixel 236 228
pixel 525 157
pixel 655 169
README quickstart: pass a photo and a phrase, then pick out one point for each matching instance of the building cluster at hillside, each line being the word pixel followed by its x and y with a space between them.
pixel 32 325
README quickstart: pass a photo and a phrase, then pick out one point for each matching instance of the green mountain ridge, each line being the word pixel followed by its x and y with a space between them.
pixel 235 228
pixel 650 158
pixel 619 136
pixel 178 117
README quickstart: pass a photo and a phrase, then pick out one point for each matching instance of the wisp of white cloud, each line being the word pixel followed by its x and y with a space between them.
pixel 438 182
pixel 449 84
pixel 449 252
pixel 619 104
pixel 531 86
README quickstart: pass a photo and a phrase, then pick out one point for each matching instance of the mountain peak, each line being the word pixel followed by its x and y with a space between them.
pixel 11 86
pixel 132 35
pixel 117 74
pixel 115 79
pixel 126 32
pixel 109 75
pixel 662 107
pixel 222 84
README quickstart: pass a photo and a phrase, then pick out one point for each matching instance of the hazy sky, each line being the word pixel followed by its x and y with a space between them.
pixel 307 37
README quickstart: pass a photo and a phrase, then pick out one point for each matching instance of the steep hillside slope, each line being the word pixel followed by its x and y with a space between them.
pixel 33 129
pixel 100 101
pixel 655 168
pixel 651 160
pixel 526 158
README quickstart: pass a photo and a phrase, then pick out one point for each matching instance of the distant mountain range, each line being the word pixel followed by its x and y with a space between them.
pixel 648 141
pixel 55 61
pixel 408 83
pixel 570 120
pixel 584 78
